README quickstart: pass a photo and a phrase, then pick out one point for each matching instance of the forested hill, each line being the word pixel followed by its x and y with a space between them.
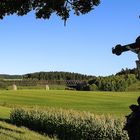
pixel 57 76
pixel 6 76
pixel 49 76
pixel 61 75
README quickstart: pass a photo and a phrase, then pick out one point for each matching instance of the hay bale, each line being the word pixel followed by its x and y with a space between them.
pixel 14 87
pixel 47 87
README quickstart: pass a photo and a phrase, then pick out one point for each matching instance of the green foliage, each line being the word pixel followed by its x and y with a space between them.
pixel 113 83
pixel 127 71
pixel 93 87
pixel 61 76
pixel 70 125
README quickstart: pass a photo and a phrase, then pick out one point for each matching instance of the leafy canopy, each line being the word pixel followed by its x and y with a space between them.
pixel 45 8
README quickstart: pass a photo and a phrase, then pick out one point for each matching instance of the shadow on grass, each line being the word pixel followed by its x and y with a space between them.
pixel 11 130
pixel 5 120
pixel 7 129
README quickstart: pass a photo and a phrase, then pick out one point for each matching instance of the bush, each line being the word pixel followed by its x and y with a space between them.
pixel 70 125
pixel 93 87
pixel 113 83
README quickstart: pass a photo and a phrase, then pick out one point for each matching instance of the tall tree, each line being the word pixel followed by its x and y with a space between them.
pixel 45 8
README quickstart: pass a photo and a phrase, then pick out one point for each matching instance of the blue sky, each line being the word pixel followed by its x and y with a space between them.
pixel 83 45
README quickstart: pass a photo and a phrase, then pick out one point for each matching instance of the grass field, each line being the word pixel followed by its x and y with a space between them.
pixel 114 103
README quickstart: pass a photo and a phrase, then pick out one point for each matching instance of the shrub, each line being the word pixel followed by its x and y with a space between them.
pixel 70 125
pixel 113 83
pixel 93 87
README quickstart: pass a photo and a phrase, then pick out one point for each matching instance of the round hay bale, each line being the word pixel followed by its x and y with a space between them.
pixel 14 87
pixel 47 87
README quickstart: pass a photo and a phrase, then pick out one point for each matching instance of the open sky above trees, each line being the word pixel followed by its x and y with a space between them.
pixel 84 45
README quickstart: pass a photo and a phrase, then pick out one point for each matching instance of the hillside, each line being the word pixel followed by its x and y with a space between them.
pixel 55 75
pixel 61 75
pixel 7 76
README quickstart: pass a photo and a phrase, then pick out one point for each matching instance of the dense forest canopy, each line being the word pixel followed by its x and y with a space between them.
pixel 45 8
pixel 60 75
pixel 56 76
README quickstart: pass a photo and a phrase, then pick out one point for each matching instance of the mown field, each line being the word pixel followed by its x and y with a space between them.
pixel 113 103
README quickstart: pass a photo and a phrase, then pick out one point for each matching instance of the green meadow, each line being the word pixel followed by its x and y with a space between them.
pixel 112 103
pixel 115 104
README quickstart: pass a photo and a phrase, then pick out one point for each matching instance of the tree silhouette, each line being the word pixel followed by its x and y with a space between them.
pixel 45 8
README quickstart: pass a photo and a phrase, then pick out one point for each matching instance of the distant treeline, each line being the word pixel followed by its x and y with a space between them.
pixel 56 76
pixel 61 75
pixel 118 82
pixel 112 83
pixel 6 76
pixel 127 71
